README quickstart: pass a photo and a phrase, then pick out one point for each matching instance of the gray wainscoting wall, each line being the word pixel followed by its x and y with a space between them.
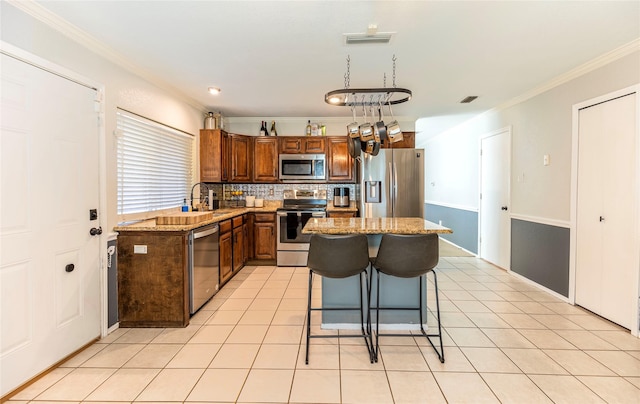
pixel 540 252
pixel 464 224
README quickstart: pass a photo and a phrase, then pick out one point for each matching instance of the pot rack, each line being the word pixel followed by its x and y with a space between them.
pixel 368 97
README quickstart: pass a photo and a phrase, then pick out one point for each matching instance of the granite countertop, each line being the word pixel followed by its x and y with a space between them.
pixel 218 216
pixel 377 225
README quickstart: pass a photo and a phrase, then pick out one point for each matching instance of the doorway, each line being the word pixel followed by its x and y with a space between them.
pixel 51 298
pixel 495 173
pixel 605 245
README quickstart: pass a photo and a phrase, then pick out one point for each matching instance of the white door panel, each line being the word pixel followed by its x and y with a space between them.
pixel 50 180
pixel 495 226
pixel 605 234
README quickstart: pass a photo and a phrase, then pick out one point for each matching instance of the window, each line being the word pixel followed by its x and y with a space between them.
pixel 155 166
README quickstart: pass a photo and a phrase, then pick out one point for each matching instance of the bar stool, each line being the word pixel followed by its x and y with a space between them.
pixel 408 256
pixel 340 256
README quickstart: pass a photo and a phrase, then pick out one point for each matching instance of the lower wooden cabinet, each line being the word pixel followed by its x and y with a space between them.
pixel 225 243
pixel 153 288
pixel 341 214
pixel 264 236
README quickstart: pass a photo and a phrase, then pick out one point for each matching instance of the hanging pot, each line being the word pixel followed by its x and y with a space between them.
pixel 366 129
pixel 380 129
pixel 354 146
pixel 393 129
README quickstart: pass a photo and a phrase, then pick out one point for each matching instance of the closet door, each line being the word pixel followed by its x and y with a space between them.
pixel 606 209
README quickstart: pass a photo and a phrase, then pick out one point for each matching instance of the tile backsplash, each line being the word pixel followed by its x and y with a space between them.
pixel 227 193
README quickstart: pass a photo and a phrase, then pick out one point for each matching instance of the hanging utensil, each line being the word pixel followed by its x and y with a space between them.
pixel 366 129
pixel 393 129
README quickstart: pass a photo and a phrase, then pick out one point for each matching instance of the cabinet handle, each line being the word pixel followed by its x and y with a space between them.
pixel 602 218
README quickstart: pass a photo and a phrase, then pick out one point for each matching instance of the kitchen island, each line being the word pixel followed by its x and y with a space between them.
pixel 397 292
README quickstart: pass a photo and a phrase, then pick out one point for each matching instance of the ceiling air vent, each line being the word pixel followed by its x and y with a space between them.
pixel 371 36
pixel 468 99
pixel 358 39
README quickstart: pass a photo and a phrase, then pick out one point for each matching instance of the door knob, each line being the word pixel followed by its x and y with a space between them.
pixel 95 231
pixel 504 208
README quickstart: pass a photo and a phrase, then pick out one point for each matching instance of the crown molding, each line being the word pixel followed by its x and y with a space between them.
pixel 74 33
pixel 600 61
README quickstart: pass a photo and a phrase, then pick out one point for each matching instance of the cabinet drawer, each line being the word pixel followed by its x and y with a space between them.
pixel 237 221
pixel 265 217
pixel 225 226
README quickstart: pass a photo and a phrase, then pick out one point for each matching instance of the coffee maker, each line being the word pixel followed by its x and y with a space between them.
pixel 341 197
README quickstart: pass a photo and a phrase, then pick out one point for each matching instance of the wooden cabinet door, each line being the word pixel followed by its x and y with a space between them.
pixel 245 243
pixel 264 240
pixel 339 162
pixel 214 155
pixel 265 159
pixel 238 245
pixel 408 142
pixel 226 252
pixel 241 158
pixel 314 145
pixel 291 144
pixel 341 214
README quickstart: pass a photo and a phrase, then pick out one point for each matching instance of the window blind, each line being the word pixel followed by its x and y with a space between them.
pixel 155 166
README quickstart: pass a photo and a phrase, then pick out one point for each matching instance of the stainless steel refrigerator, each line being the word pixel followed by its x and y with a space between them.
pixel 392 184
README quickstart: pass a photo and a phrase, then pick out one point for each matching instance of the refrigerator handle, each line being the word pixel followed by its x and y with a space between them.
pixel 395 187
pixel 392 188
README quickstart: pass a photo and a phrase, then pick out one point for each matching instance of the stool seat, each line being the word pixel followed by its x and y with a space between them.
pixel 337 257
pixel 407 256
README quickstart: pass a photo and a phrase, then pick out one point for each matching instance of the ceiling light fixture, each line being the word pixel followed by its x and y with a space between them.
pixel 214 90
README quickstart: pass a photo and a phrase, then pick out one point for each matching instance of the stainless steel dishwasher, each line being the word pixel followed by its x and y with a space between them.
pixel 204 266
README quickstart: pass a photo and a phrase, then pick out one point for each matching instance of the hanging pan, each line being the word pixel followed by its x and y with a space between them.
pixel 353 136
pixel 380 128
pixel 393 129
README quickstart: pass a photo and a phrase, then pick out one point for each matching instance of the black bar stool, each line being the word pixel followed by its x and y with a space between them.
pixel 340 256
pixel 408 256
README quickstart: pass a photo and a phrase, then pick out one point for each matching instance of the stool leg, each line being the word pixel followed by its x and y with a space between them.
pixel 375 352
pixel 435 282
pixel 306 359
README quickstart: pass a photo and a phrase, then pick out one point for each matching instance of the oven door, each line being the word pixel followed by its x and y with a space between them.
pixel 289 232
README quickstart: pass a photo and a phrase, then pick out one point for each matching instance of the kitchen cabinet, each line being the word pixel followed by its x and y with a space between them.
pixel 241 158
pixel 265 159
pixel 214 155
pixel 341 214
pixel 264 236
pixel 153 288
pixel 226 251
pixel 408 142
pixel 302 144
pixel 339 162
pixel 238 243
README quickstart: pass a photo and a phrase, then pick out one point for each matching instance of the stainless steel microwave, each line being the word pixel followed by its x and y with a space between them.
pixel 303 167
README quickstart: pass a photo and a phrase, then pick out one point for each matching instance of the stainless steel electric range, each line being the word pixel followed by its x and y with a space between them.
pixel 298 207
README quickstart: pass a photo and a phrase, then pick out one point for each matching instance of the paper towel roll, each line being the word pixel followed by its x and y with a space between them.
pixel 210 199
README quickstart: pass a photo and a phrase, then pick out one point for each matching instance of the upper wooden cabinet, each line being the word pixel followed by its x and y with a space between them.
pixel 302 144
pixel 339 162
pixel 241 158
pixel 408 142
pixel 265 159
pixel 214 155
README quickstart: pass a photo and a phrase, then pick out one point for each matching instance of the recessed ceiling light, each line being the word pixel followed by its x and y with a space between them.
pixel 214 90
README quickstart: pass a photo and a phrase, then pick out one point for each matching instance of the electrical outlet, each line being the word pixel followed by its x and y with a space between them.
pixel 139 249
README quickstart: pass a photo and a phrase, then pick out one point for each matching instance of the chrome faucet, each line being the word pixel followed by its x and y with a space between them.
pixel 194 185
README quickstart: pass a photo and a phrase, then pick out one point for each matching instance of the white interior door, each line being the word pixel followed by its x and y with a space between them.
pixel 606 236
pixel 49 263
pixel 495 226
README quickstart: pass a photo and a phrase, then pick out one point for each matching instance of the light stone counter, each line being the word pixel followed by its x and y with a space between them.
pixel 218 216
pixel 375 225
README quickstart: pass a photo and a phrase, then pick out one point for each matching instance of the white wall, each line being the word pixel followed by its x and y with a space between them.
pixel 122 88
pixel 540 125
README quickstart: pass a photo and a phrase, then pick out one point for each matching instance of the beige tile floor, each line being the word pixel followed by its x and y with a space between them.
pixel 506 341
